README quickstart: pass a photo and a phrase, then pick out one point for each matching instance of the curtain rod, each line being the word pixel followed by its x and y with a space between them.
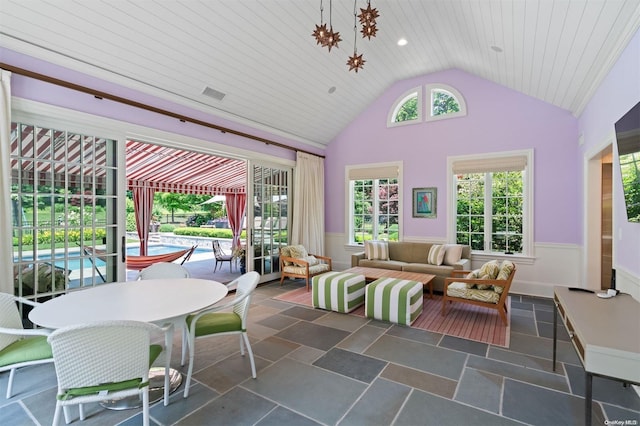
pixel 183 118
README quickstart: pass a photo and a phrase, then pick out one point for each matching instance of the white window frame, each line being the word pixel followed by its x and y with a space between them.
pixel 527 195
pixel 370 171
pixel 399 103
pixel 439 87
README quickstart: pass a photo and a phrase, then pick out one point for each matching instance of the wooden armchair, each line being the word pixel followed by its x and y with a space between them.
pixel 478 288
pixel 295 262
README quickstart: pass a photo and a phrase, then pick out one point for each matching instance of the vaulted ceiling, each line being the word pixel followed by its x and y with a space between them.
pixel 261 56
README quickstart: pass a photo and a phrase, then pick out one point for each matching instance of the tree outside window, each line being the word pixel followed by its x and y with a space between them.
pixel 490 211
pixel 375 210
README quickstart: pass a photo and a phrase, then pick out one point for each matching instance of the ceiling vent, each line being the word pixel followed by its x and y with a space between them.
pixel 213 93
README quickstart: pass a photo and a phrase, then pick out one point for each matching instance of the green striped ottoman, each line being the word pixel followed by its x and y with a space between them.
pixel 338 291
pixel 393 300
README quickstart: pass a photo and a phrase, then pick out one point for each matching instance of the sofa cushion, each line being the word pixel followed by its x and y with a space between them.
pixel 382 264
pixel 376 250
pixel 436 254
pixel 409 252
pixel 453 254
pixel 425 268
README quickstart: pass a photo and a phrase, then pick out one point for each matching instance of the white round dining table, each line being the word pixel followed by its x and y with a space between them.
pixel 156 300
pixel 160 301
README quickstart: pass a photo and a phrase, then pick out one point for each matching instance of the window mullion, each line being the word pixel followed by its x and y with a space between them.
pixel 488 212
pixel 376 211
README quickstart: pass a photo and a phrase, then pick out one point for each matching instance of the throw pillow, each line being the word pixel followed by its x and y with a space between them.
pixel 298 251
pixel 475 274
pixel 452 254
pixel 286 252
pixel 376 250
pixel 472 275
pixel 505 270
pixel 490 270
pixel 311 259
pixel 436 254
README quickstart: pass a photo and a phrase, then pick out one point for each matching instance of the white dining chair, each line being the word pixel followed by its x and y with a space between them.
pixel 226 319
pixel 19 347
pixel 163 270
pixel 103 361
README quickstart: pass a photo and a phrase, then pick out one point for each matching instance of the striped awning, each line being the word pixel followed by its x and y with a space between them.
pixel 173 170
pixel 64 159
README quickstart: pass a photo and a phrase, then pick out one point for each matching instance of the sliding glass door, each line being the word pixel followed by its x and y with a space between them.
pixel 267 218
pixel 64 209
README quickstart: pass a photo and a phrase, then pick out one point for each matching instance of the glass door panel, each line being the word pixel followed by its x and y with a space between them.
pixel 63 197
pixel 270 218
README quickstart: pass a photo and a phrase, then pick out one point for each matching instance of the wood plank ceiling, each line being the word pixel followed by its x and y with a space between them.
pixel 261 56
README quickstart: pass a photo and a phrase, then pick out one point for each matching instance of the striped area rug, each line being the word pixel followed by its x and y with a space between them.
pixel 462 320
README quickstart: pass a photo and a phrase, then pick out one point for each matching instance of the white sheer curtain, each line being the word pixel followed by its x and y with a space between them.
pixel 307 227
pixel 6 246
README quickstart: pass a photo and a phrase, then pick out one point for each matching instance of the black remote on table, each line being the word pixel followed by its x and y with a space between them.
pixel 581 289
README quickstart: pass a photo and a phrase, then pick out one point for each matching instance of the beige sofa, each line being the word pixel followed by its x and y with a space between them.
pixel 413 257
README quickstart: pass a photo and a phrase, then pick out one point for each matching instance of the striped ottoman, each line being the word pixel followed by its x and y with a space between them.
pixel 393 300
pixel 338 291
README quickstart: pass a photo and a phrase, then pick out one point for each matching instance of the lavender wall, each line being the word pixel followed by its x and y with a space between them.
pixel 498 119
pixel 32 89
pixel 618 93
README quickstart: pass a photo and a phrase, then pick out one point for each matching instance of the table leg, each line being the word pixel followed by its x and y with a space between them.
pixel 588 398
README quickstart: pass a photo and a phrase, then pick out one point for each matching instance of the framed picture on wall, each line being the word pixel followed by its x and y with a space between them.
pixel 425 202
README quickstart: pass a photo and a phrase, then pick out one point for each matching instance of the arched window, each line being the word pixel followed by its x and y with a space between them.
pixel 407 109
pixel 444 102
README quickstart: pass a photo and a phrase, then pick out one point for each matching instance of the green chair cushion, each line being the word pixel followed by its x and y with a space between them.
pixel 154 352
pixel 216 322
pixel 24 350
pixel 107 387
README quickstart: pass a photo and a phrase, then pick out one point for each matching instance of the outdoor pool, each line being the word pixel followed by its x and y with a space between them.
pixel 75 264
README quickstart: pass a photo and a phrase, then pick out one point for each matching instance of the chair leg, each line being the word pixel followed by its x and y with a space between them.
pixel 168 347
pixel 56 415
pixel 10 384
pixel 281 278
pixel 503 315
pixel 253 364
pixel 145 406
pixel 185 345
pixel 192 351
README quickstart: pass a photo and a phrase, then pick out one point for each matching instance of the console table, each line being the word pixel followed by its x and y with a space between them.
pixel 605 334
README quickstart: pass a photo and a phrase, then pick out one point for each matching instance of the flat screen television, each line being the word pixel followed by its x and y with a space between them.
pixel 628 140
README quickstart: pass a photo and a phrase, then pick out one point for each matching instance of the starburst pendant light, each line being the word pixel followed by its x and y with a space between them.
pixel 333 37
pixel 327 37
pixel 368 20
pixel 321 30
pixel 355 62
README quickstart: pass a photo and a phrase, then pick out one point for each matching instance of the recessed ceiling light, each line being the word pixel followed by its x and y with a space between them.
pixel 332 89
pixel 496 49
pixel 402 42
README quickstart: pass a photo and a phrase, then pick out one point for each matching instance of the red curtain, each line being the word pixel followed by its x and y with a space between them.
pixel 143 205
pixel 236 207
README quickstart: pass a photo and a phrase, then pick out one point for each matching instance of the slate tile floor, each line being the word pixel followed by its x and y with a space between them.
pixel 317 367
